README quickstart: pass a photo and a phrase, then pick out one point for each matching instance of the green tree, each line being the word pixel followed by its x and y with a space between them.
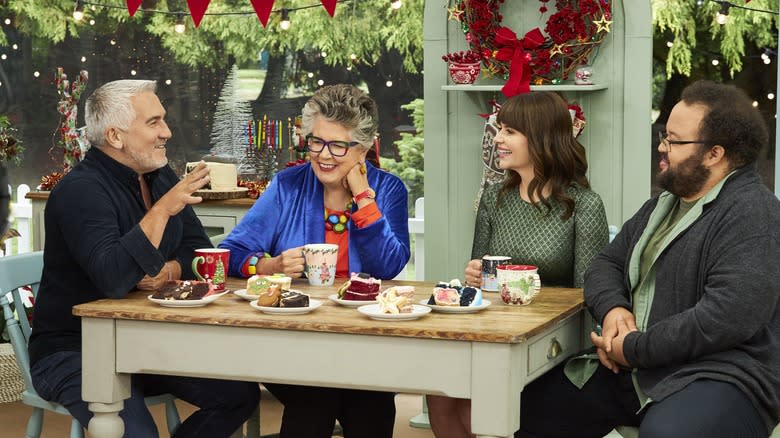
pixel 411 149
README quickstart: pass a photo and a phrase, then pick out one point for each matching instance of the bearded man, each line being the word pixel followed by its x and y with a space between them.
pixel 687 295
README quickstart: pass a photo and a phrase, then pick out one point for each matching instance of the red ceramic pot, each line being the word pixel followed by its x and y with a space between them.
pixel 463 73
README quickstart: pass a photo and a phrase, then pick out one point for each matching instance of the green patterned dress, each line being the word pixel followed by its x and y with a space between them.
pixel 561 249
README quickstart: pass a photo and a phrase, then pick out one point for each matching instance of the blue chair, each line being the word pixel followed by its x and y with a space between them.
pixel 25 270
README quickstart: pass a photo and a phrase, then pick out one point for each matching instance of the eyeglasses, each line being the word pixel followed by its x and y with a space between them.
pixel 337 148
pixel 664 140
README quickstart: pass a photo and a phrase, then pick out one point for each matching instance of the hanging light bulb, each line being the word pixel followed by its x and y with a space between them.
pixel 395 4
pixel 179 26
pixel 78 13
pixel 284 24
pixel 765 57
pixel 723 14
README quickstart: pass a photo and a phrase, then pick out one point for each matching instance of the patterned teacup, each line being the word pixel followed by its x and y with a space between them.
pixel 519 284
pixel 320 264
pixel 489 273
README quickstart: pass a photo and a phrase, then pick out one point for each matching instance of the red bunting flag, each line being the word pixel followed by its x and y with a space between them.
pixel 197 9
pixel 330 6
pixel 132 6
pixel 263 9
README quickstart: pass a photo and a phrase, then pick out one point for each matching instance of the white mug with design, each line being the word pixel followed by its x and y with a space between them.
pixel 518 284
pixel 320 266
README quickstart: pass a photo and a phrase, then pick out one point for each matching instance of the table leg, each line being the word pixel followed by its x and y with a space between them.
pixel 497 377
pixel 101 386
pixel 106 422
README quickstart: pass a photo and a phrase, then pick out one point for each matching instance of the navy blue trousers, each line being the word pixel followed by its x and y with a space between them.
pixel 311 412
pixel 224 405
pixel 551 406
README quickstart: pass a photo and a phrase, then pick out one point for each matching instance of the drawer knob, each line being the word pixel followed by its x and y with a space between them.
pixel 554 349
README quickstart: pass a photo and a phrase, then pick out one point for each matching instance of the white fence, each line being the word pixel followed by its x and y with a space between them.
pixel 21 221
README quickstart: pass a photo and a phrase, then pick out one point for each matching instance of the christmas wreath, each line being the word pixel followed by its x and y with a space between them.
pixel 573 31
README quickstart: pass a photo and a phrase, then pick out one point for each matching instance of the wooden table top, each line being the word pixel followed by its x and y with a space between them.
pixel 499 323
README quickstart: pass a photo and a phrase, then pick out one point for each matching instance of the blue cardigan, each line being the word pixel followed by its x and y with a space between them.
pixel 290 213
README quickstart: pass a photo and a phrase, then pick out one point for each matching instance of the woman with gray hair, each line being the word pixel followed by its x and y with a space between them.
pixel 336 198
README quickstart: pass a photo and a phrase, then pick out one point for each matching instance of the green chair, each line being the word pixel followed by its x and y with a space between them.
pixel 25 270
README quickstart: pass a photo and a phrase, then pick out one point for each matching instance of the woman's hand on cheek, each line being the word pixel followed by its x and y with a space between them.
pixel 357 178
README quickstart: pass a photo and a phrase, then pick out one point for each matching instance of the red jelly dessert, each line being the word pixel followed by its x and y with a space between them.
pixel 360 287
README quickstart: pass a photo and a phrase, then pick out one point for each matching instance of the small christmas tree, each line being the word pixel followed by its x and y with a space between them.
pixel 229 130
pixel 219 273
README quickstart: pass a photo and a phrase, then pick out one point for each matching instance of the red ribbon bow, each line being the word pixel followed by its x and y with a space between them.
pixel 514 51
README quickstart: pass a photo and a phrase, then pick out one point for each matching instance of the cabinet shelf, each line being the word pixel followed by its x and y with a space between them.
pixel 497 87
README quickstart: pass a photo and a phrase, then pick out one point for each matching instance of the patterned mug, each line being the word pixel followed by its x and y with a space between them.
pixel 489 273
pixel 211 264
pixel 320 263
pixel 519 283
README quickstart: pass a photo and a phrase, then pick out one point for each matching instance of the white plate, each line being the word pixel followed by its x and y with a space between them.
pixel 457 309
pixel 242 293
pixel 349 303
pixel 372 311
pixel 313 304
pixel 187 303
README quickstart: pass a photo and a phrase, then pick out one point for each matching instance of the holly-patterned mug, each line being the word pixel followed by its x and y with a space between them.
pixel 211 264
pixel 518 284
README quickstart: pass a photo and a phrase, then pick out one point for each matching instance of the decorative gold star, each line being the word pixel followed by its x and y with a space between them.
pixel 557 49
pixel 603 24
pixel 455 14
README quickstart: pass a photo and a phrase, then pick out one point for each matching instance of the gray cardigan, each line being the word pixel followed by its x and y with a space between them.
pixel 715 312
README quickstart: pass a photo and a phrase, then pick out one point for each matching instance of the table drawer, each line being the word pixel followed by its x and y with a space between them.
pixel 547 351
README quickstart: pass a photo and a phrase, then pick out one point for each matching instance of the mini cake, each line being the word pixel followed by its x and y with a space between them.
pixel 224 176
pixel 183 290
pixel 282 280
pixel 360 287
pixel 257 284
pixel 453 294
pixel 292 298
pixel 397 299
pixel 445 296
pixel 270 298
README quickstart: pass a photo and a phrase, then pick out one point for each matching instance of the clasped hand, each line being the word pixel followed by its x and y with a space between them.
pixel 618 323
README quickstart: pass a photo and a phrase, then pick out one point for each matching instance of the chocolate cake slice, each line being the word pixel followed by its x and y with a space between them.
pixel 291 298
pixel 182 290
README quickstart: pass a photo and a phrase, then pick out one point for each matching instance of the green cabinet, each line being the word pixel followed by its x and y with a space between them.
pixel 616 137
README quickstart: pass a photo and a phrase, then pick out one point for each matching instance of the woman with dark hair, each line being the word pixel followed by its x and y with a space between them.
pixel 544 214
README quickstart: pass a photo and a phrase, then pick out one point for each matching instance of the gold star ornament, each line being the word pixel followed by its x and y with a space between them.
pixel 603 24
pixel 455 14
pixel 557 49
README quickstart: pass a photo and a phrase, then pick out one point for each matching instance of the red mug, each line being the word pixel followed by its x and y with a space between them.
pixel 211 264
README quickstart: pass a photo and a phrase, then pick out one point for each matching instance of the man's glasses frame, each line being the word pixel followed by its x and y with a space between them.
pixel 337 148
pixel 664 140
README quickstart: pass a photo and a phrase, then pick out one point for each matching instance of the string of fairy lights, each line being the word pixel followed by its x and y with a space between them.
pixel 179 25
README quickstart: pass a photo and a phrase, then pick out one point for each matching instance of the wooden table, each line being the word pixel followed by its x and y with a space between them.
pixel 487 357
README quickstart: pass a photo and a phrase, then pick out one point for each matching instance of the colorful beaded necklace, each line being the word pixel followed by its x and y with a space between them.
pixel 336 221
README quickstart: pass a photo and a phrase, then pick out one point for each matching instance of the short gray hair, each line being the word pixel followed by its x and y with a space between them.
pixel 110 106
pixel 346 105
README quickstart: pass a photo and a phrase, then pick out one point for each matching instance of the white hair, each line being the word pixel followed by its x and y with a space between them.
pixel 346 105
pixel 110 106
